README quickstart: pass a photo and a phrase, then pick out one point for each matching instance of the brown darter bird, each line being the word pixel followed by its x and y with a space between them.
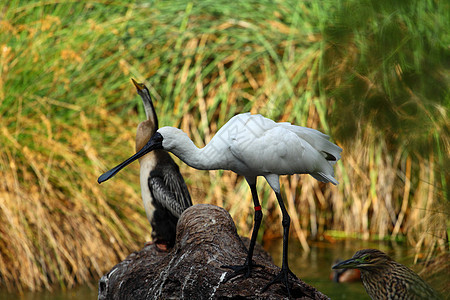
pixel 163 189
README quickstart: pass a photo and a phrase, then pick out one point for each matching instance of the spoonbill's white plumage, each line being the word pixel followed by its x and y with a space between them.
pixel 164 192
pixel 252 146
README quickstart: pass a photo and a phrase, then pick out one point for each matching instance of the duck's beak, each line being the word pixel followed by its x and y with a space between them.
pixel 346 264
pixel 154 143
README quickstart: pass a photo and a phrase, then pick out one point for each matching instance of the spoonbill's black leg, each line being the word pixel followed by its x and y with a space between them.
pixel 283 276
pixel 246 268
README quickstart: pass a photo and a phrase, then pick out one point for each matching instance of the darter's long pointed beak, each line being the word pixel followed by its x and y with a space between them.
pixel 139 86
pixel 154 143
pixel 147 101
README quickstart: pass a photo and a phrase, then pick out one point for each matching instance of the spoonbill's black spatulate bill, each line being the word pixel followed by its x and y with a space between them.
pixel 252 146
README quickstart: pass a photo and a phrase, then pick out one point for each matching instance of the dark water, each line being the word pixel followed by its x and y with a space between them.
pixel 79 293
pixel 313 268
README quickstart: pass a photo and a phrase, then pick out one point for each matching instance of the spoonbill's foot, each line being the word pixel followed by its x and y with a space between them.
pixel 244 270
pixel 282 277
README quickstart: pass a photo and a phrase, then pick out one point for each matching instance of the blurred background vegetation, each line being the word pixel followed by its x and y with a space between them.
pixel 374 75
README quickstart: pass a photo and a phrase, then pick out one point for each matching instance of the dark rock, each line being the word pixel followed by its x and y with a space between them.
pixel 206 240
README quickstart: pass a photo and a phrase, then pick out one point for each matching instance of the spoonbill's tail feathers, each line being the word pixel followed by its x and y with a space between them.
pixel 320 142
pixel 320 176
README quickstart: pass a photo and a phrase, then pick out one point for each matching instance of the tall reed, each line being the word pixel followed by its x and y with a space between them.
pixel 374 82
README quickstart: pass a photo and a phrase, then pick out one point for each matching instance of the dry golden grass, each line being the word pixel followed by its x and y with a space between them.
pixel 57 224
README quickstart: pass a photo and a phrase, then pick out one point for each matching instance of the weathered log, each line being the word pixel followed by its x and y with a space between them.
pixel 206 241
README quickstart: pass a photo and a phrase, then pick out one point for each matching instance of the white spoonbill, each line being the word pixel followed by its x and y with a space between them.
pixel 163 189
pixel 252 146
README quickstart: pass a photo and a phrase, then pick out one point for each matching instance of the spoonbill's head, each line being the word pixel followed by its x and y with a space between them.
pixel 155 142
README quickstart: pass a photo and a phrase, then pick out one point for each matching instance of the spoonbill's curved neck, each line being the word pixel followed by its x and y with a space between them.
pixel 206 158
